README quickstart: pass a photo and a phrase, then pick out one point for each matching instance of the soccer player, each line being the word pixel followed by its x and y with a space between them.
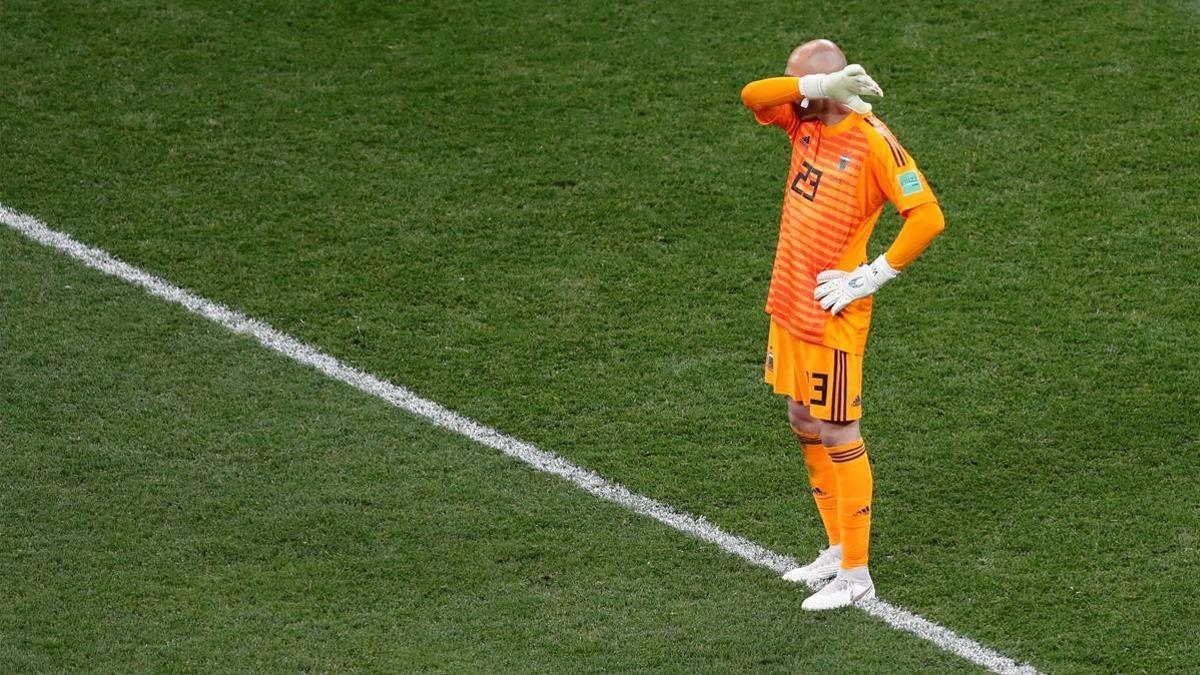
pixel 845 164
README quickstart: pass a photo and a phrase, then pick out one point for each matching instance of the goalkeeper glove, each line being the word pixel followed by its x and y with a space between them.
pixel 845 86
pixel 837 289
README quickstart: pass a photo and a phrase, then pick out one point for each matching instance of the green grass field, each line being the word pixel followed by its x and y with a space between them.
pixel 559 220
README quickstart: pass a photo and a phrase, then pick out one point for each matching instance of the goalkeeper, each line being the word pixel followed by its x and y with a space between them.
pixel 845 164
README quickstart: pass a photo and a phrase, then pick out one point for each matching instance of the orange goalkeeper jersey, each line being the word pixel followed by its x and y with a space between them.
pixel 840 177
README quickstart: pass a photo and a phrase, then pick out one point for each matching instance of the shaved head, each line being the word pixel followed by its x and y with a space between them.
pixel 816 56
pixel 812 58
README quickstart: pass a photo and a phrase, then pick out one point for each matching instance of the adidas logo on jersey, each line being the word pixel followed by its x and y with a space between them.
pixel 857 403
pixel 864 511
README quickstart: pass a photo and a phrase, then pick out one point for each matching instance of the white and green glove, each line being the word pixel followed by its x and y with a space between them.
pixel 837 289
pixel 846 86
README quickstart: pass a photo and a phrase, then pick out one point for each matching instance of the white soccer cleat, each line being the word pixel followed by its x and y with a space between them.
pixel 841 592
pixel 826 566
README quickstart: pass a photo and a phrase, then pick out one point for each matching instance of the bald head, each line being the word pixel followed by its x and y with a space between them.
pixel 816 56
pixel 812 58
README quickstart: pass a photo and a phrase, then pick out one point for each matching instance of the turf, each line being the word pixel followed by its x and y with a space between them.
pixel 560 222
pixel 178 499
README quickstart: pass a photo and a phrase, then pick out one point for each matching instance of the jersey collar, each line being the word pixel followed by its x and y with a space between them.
pixel 849 121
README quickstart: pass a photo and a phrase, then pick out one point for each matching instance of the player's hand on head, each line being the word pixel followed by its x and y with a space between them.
pixel 847 86
pixel 855 78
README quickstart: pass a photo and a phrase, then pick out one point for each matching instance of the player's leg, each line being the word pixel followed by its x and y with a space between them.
pixel 843 441
pixel 802 421
pixel 821 477
pixel 785 371
pixel 822 480
pixel 839 410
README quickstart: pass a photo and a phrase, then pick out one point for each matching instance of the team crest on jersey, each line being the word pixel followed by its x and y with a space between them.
pixel 806 139
pixel 843 162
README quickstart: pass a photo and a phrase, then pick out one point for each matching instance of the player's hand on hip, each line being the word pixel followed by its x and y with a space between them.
pixel 836 289
pixel 846 86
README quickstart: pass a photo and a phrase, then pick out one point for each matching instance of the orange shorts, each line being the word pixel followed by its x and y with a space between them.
pixel 827 380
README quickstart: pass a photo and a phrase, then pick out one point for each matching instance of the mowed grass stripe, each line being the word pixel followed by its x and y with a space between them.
pixel 536 458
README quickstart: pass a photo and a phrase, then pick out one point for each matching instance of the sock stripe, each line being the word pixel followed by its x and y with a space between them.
pixel 847 455
pixel 846 449
pixel 843 460
pixel 806 438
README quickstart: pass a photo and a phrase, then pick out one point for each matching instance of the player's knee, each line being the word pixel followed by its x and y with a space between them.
pixel 801 420
pixel 839 433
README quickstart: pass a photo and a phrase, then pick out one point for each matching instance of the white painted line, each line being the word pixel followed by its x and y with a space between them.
pixel 537 458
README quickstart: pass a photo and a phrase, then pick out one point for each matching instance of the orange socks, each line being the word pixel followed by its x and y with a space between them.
pixel 824 481
pixel 841 486
pixel 854 485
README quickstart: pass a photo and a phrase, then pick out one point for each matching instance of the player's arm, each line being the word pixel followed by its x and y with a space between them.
pixel 846 86
pixel 836 289
pixel 923 225
pixel 762 94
